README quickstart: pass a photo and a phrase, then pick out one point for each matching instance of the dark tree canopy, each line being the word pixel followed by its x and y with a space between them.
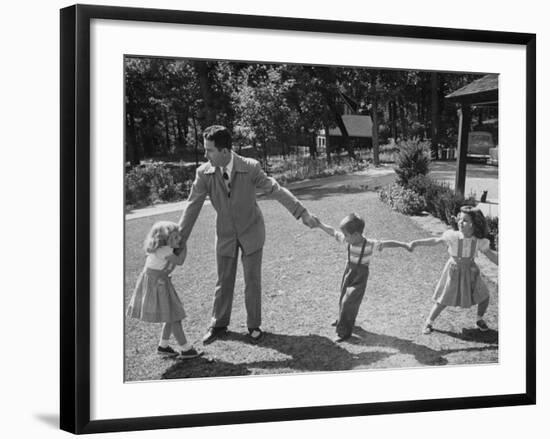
pixel 273 107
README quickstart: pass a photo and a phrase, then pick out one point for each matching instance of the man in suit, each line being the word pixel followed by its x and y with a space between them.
pixel 231 182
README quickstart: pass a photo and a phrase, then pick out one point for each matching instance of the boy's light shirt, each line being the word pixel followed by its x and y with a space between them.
pixel 355 250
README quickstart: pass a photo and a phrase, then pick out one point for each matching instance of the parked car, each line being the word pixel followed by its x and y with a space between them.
pixel 479 144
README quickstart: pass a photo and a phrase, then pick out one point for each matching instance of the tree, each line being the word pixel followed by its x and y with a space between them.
pixel 263 114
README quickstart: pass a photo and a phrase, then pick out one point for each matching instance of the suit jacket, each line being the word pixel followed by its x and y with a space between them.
pixel 239 218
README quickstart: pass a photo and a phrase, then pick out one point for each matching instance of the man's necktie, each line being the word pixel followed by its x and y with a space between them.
pixel 226 181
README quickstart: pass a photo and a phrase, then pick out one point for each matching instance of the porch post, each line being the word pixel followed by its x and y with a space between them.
pixel 464 118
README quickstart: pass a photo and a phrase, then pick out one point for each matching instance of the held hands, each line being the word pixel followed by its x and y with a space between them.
pixel 389 244
pixel 172 259
pixel 310 220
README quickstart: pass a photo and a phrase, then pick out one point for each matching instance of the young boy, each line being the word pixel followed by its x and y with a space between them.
pixel 356 274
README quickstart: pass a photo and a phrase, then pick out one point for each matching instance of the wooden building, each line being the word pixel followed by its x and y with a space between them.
pixel 482 92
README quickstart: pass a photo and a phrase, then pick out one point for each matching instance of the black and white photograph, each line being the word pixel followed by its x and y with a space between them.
pixel 275 219
pixel 298 219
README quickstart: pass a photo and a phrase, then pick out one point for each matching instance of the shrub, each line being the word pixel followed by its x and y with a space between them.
pixel 156 182
pixel 137 187
pixel 441 200
pixel 300 168
pixel 402 199
pixel 412 160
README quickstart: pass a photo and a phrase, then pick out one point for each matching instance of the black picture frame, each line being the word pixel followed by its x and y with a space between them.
pixel 75 217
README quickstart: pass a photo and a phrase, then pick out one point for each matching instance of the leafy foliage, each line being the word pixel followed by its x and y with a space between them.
pixel 155 183
pixel 402 199
pixel 169 102
pixel 413 160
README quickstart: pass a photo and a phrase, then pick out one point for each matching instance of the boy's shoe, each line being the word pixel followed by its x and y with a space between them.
pixel 481 325
pixel 167 351
pixel 335 323
pixel 255 334
pixel 213 333
pixel 428 329
pixel 189 353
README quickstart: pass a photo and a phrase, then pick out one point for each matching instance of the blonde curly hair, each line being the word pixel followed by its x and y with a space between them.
pixel 158 235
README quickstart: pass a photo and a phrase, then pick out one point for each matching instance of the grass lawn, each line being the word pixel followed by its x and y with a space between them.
pixel 302 269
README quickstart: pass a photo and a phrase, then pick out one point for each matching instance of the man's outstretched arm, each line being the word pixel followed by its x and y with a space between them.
pixel 269 185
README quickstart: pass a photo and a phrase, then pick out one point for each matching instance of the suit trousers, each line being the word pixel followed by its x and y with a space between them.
pixel 225 287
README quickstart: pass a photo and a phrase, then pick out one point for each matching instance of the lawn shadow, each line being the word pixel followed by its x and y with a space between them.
pixel 203 367
pixel 313 353
pixel 423 354
pixel 469 334
pixel 304 353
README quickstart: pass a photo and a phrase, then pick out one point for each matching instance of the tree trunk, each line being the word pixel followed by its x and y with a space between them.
pixel 208 115
pixel 339 122
pixel 166 132
pixel 374 118
pixel 182 133
pixel 327 143
pixel 196 142
pixel 313 146
pixel 435 114
pixel 132 147
pixel 393 120
pixel 402 116
pixel 147 136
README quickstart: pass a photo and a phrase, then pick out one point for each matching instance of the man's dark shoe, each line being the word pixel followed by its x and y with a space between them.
pixel 341 338
pixel 213 333
pixel 255 334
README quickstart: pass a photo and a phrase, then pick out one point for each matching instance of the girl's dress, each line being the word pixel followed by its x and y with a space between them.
pixel 154 298
pixel 461 283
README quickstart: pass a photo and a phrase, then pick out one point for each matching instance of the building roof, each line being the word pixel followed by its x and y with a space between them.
pixel 480 91
pixel 357 126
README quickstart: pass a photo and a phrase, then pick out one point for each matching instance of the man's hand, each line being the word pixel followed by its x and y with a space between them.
pixel 309 220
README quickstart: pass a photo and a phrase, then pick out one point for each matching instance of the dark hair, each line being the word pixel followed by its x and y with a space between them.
pixel 352 223
pixel 220 135
pixel 478 220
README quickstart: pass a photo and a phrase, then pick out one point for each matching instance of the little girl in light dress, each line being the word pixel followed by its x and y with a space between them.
pixel 154 298
pixel 461 283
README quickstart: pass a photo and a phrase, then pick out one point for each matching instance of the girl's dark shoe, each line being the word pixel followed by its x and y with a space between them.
pixel 189 353
pixel 167 351
pixel 481 325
